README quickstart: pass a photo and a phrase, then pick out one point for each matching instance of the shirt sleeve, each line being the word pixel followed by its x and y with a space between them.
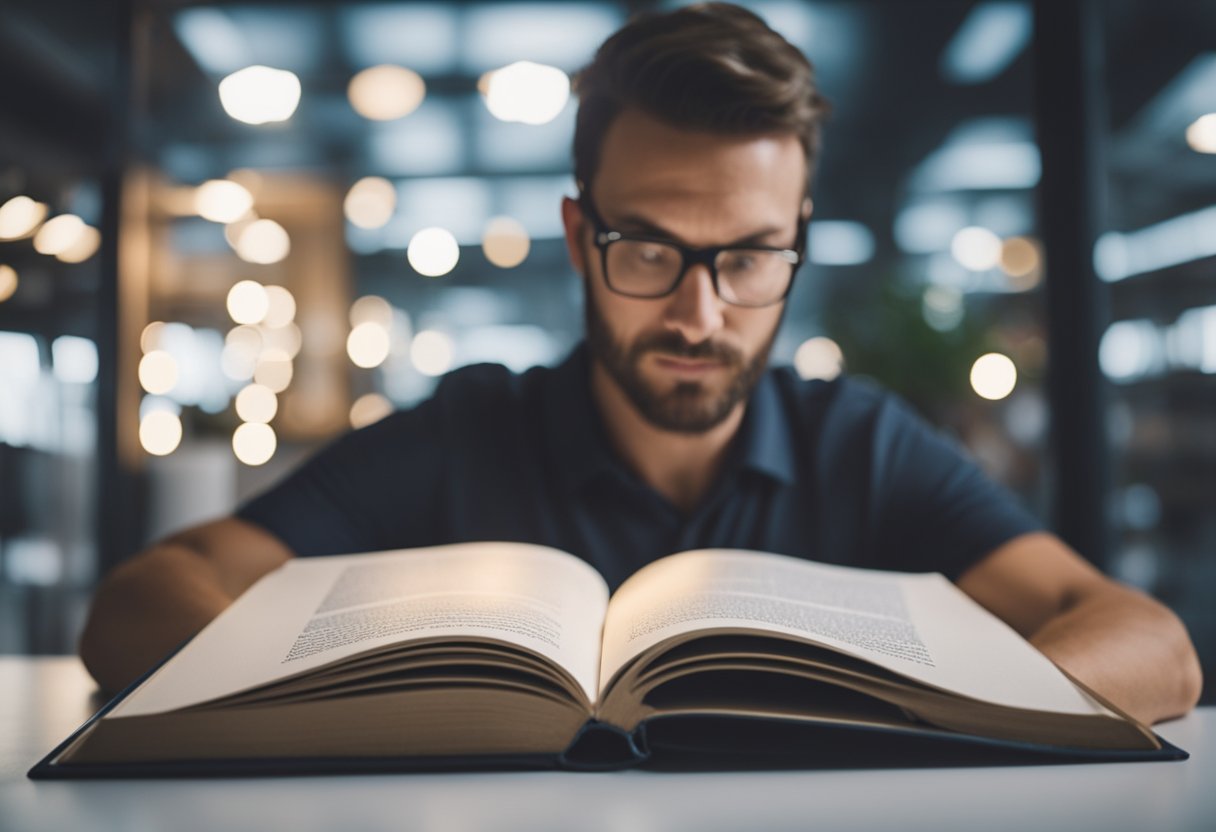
pixel 935 509
pixel 370 489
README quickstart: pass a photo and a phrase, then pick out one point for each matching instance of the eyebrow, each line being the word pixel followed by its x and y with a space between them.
pixel 633 223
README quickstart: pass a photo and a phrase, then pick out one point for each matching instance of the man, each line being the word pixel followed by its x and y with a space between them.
pixel 696 139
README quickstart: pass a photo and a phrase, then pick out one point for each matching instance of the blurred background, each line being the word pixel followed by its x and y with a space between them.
pixel 230 232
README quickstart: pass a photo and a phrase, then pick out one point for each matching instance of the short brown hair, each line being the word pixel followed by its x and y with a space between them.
pixel 711 66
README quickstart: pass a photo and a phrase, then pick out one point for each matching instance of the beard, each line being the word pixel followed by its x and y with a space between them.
pixel 690 407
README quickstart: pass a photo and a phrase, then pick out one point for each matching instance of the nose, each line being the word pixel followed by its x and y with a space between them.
pixel 695 310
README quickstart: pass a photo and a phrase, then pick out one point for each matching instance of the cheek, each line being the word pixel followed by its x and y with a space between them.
pixel 625 317
pixel 753 327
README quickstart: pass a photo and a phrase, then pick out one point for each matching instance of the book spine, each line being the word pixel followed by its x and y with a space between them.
pixel 599 746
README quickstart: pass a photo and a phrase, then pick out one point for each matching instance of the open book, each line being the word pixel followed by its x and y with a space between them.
pixel 493 654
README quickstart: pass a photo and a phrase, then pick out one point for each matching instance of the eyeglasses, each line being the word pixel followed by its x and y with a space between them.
pixel 638 266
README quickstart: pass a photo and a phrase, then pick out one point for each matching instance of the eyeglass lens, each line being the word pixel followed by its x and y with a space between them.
pixel 651 269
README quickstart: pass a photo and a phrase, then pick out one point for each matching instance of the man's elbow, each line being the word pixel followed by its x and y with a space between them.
pixel 1181 675
pixel 1191 677
pixel 143 609
pixel 99 646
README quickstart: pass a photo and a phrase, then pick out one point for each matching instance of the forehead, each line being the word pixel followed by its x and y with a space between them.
pixel 648 165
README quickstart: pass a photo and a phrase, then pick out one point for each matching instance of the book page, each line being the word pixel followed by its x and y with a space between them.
pixel 917 625
pixel 312 611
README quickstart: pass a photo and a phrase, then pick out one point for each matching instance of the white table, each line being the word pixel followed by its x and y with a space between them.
pixel 42 700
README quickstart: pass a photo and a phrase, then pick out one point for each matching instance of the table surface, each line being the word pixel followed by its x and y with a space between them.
pixel 42 700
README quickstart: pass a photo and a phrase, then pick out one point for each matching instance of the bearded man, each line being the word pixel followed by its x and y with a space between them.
pixel 695 147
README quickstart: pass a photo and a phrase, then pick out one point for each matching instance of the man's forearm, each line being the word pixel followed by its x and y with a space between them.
pixel 145 608
pixel 1128 648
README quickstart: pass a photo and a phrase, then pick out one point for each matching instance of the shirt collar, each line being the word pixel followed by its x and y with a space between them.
pixel 579 446
pixel 766 439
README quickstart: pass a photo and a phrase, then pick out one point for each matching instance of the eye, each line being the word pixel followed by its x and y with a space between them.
pixel 652 253
pixel 738 261
pixel 645 255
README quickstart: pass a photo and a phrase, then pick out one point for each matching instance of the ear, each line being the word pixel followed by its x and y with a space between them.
pixel 575 226
pixel 807 207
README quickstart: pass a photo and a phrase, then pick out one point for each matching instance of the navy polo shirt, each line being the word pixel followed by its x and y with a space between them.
pixel 838 472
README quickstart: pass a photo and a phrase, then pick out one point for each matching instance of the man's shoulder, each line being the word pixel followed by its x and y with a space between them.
pixel 489 397
pixel 850 418
pixel 472 379
pixel 471 408
pixel 488 382
pixel 848 398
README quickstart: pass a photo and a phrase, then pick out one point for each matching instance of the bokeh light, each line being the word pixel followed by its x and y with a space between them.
pixel 260 94
pixel 431 352
pixel 433 252
pixel 976 248
pixel 525 92
pixel 273 370
pixel 280 307
pixel 219 200
pixel 370 202
pixel 1201 134
pixel 160 432
pixel 8 282
pixel 386 92
pixel 19 217
pixel 86 246
pixel 149 339
pixel 1022 261
pixel 288 339
pixel 74 359
pixel 1130 349
pixel 242 346
pixel 505 242
pixel 246 338
pixel 993 376
pixel 59 234
pixel 819 357
pixel 247 302
pixel 158 372
pixel 256 403
pixel 368 345
pixel 371 309
pixel 263 242
pixel 234 230
pixel 369 409
pixel 254 443
pixel 237 363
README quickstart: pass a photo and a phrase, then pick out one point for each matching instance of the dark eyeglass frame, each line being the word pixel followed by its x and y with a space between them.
pixel 604 237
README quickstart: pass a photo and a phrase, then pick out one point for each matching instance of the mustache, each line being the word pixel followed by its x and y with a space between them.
pixel 674 344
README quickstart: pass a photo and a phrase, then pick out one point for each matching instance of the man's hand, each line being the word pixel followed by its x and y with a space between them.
pixel 1121 643
pixel 167 593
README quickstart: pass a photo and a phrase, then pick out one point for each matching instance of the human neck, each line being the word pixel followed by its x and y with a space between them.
pixel 680 466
